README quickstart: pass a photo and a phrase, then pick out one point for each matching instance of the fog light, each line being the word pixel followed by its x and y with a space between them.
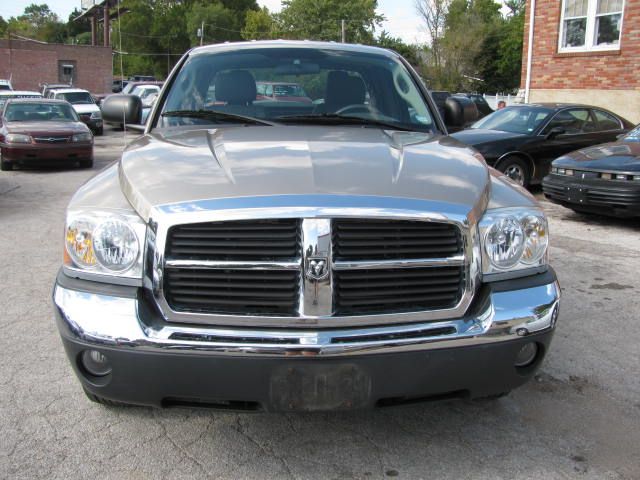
pixel 96 363
pixel 527 354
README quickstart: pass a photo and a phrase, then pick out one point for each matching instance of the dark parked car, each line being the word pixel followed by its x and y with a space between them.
pixel 41 131
pixel 522 140
pixel 604 179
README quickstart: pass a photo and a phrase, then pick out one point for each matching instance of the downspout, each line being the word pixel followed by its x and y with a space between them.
pixel 532 18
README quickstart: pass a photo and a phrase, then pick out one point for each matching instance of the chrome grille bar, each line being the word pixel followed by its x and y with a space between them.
pixel 456 260
pixel 293 264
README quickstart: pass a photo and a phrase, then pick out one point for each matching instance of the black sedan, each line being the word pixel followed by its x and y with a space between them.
pixel 522 140
pixel 604 179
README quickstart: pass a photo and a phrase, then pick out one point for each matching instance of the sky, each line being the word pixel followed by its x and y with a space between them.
pixel 402 20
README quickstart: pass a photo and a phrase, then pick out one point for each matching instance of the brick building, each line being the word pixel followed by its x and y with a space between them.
pixel 30 64
pixel 585 51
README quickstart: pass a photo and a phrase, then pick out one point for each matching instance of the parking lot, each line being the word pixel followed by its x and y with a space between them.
pixel 579 418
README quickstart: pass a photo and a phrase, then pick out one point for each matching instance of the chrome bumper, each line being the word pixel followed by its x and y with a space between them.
pixel 106 320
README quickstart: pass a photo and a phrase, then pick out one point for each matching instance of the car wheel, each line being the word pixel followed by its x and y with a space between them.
pixel 86 163
pixel 99 131
pixel 104 401
pixel 516 169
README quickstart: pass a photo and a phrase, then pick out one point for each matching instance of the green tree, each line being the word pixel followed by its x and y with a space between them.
pixel 410 52
pixel 3 26
pixel 321 19
pixel 259 25
pixel 220 23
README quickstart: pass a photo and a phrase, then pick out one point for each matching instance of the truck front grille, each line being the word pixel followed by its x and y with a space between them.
pixel 259 268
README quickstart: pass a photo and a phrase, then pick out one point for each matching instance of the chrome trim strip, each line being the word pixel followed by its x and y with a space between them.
pixel 453 261
pixel 118 322
pixel 232 264
pixel 74 272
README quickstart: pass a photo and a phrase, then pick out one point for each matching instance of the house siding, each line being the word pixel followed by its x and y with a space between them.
pixel 609 79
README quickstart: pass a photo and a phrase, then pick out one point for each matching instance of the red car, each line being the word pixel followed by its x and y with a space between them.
pixel 42 130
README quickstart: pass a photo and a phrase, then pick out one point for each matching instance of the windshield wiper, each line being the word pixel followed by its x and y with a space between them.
pixel 337 119
pixel 216 115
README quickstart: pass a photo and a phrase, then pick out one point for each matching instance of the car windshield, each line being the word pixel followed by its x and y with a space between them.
pixel 633 135
pixel 38 112
pixel 330 84
pixel 517 119
pixel 77 98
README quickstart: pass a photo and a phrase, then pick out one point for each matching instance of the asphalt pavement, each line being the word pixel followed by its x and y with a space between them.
pixel 579 418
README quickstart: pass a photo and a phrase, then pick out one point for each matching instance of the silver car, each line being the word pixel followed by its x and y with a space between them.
pixel 343 253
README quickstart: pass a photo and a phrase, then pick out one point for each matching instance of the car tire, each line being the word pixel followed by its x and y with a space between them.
pixel 99 132
pixel 105 401
pixel 515 168
pixel 86 163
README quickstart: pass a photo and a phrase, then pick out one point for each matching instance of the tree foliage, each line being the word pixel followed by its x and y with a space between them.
pixel 321 20
pixel 473 46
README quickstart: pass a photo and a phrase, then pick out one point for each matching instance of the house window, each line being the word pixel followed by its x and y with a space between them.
pixel 590 25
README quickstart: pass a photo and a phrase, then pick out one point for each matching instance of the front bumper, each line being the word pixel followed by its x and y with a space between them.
pixel 605 197
pixel 38 153
pixel 161 364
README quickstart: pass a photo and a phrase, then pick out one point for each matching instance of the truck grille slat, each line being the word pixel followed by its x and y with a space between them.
pixel 397 290
pixel 361 239
pixel 245 292
pixel 246 239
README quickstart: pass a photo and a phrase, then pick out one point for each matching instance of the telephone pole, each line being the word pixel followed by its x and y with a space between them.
pixel 202 34
pixel 344 30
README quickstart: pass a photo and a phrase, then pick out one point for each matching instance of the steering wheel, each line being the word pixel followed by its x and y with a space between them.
pixel 359 108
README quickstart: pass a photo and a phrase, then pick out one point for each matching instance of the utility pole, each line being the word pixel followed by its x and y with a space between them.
pixel 202 34
pixel 344 31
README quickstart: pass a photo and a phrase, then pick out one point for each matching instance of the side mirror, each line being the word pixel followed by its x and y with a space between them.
pixel 125 109
pixel 554 132
pixel 459 111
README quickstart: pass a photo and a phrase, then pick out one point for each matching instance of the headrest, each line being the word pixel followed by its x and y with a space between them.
pixel 237 87
pixel 343 89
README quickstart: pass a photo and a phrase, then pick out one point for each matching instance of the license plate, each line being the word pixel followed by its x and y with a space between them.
pixel 320 387
pixel 576 194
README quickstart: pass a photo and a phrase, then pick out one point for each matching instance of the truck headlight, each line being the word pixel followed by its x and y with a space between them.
pixel 514 241
pixel 104 245
pixel 96 116
pixel 18 138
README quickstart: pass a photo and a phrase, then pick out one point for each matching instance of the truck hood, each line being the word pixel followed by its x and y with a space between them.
pixel 174 166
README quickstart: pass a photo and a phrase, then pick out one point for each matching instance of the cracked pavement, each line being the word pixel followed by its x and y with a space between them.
pixel 580 417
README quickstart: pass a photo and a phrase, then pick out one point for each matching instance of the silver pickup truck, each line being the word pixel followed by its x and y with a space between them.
pixel 342 253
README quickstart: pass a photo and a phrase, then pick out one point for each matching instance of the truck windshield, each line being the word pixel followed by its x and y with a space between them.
pixel 252 82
